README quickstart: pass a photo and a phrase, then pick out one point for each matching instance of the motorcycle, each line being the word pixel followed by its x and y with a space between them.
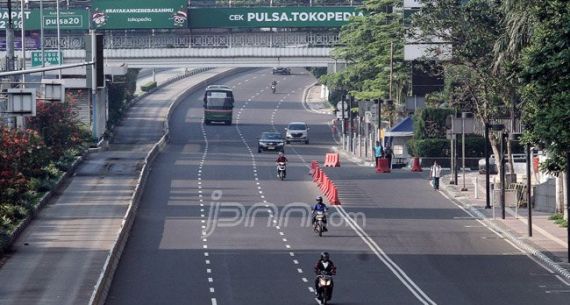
pixel 324 287
pixel 273 88
pixel 281 166
pixel 319 225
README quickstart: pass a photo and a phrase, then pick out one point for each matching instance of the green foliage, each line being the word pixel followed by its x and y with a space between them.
pixel 472 29
pixel 120 94
pixel 430 123
pixel 59 125
pixel 148 86
pixel 317 71
pixel 440 147
pixel 429 147
pixel 366 47
pixel 546 80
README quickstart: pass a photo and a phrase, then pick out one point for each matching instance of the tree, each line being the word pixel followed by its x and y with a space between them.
pixel 472 28
pixel 546 80
pixel 366 43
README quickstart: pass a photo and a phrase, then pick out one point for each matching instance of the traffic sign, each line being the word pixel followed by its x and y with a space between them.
pixel 368 116
pixel 342 104
pixel 50 58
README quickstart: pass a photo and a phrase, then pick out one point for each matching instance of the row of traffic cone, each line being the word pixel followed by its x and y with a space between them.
pixel 325 184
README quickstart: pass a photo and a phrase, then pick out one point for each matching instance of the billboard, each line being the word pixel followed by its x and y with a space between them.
pixel 68 19
pixel 139 14
pixel 271 17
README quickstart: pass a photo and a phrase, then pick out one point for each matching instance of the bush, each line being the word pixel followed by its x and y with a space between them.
pixel 148 86
pixel 59 126
pixel 22 155
pixel 430 123
pixel 120 94
pixel 474 147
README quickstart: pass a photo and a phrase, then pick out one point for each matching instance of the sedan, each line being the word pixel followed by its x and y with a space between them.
pixel 281 70
pixel 271 141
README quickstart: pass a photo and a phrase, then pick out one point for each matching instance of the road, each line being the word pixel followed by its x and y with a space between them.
pixel 215 226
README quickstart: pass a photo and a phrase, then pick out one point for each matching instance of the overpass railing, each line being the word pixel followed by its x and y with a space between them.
pixel 217 40
pixel 257 3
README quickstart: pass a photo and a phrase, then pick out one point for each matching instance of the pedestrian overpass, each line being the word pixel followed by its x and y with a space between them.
pixel 236 49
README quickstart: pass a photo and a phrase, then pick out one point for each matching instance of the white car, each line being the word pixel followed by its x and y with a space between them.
pixel 297 132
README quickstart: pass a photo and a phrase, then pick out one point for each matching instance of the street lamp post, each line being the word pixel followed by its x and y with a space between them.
pixel 503 179
pixel 568 198
pixel 463 116
pixel 528 187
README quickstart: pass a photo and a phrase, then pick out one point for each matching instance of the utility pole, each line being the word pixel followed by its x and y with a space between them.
pixel 463 116
pixel 23 44
pixel 391 67
pixel 58 38
pixel 10 53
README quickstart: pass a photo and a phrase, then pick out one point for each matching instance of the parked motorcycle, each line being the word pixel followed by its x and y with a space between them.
pixel 324 287
pixel 281 166
pixel 319 225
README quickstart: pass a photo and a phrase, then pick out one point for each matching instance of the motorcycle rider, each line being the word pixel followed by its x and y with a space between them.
pixel 274 85
pixel 322 207
pixel 282 158
pixel 324 264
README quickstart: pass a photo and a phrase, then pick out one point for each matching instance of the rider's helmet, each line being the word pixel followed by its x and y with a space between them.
pixel 324 256
pixel 319 199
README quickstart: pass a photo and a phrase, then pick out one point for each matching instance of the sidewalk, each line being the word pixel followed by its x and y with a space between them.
pixel 548 244
pixel 315 103
pixel 66 254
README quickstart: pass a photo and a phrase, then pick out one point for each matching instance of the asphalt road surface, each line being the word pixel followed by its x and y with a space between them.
pixel 215 225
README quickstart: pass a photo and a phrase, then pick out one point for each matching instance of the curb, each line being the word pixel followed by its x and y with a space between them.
pixel 527 249
pixel 305 103
pixel 104 282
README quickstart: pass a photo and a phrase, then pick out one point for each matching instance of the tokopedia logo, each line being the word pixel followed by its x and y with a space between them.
pixel 298 16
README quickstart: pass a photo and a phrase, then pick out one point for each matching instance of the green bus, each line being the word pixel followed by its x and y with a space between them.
pixel 218 104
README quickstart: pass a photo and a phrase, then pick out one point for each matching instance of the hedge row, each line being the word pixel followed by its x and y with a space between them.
pixel 148 86
pixel 32 160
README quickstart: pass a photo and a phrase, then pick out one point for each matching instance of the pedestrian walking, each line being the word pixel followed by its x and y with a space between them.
pixel 435 174
pixel 378 151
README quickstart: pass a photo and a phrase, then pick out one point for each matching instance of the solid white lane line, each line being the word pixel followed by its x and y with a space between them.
pixel 386 260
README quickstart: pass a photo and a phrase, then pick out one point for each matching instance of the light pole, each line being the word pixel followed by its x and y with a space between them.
pixel 58 38
pixel 463 116
pixel 23 44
